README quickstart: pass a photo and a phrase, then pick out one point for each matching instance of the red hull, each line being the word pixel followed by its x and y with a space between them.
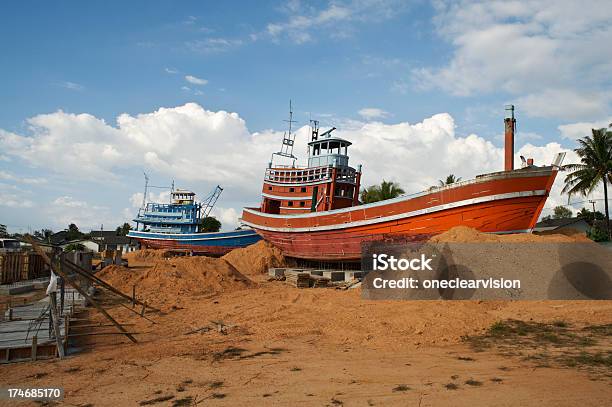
pixel 498 203
pixel 174 244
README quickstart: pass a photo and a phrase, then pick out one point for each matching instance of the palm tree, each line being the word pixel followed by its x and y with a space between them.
pixel 584 213
pixel 390 189
pixel 595 166
pixel 451 179
pixel 386 190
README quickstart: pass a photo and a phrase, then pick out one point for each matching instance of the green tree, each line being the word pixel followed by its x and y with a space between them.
pixel 450 179
pixel 209 224
pixel 123 229
pixel 598 233
pixel 43 234
pixel 74 247
pixel 595 167
pixel 589 216
pixel 585 214
pixel 561 212
pixel 73 232
pixel 386 190
pixel 3 232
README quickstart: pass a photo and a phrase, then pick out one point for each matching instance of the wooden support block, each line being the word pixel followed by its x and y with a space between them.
pixel 34 346
pixel 66 332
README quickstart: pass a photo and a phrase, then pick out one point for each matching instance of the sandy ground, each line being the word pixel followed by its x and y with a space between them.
pixel 281 345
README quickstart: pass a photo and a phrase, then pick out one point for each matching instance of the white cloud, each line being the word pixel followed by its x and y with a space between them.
pixel 5 175
pixel 537 49
pixel 408 150
pixel 336 18
pixel 171 71
pixel 371 113
pixel 195 80
pixel 563 103
pixel 69 202
pixel 87 145
pixel 71 85
pixel 152 196
pixel 213 45
pixel 65 210
pixel 227 216
pixel 202 148
pixel 136 199
pixel 578 130
pixel 12 196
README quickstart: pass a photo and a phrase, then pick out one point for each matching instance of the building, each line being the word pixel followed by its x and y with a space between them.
pixel 110 240
pixel 89 245
pixel 58 238
pixel 559 225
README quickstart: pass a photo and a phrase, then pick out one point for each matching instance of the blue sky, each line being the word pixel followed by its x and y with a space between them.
pixel 396 62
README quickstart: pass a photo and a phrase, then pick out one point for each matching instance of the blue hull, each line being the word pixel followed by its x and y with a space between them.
pixel 217 243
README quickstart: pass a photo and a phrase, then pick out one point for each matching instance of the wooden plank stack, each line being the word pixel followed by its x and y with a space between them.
pixel 319 281
pixel 298 279
pixel 20 266
pixel 301 279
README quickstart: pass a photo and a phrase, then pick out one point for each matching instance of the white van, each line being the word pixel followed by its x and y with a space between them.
pixel 9 244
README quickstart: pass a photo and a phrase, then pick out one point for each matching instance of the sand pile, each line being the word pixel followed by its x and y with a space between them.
pixel 255 259
pixel 464 234
pixel 146 255
pixel 165 280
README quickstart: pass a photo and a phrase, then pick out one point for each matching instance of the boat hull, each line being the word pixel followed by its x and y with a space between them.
pixel 508 202
pixel 203 243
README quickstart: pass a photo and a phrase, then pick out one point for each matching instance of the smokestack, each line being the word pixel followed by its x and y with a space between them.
pixel 510 127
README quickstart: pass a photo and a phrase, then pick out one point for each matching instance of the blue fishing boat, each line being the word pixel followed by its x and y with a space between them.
pixel 176 225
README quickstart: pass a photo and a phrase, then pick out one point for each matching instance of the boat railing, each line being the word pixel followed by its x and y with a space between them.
pixel 311 174
pixel 298 175
pixel 175 221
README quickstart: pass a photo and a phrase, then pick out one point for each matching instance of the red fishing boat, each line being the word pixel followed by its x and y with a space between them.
pixel 314 212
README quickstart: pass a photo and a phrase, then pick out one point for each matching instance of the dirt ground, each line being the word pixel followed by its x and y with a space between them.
pixel 227 336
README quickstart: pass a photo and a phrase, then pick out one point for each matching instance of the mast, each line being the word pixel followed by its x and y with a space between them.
pixel 288 140
pixel 146 188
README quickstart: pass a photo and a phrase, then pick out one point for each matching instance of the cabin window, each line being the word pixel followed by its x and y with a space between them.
pixel 303 189
pixel 290 203
pixel 269 188
pixel 302 204
pixel 291 189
